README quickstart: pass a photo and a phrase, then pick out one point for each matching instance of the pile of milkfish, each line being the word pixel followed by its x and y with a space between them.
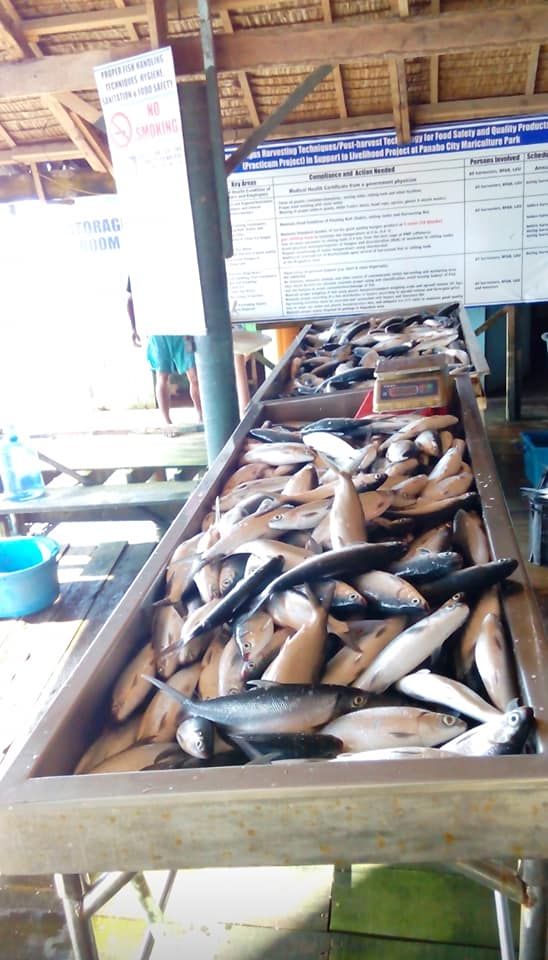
pixel 340 603
pixel 345 354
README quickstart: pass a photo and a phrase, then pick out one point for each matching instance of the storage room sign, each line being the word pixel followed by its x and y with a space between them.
pixel 358 222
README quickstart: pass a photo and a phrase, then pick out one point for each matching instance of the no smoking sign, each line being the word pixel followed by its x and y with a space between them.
pixel 120 129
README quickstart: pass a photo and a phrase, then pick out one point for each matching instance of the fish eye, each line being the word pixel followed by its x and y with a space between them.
pixel 246 645
pixel 353 596
pixel 513 718
pixel 415 601
pixel 449 721
pixel 278 516
pixel 358 700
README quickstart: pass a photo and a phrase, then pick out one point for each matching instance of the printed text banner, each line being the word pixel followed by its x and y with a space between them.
pixel 143 123
pixel 357 223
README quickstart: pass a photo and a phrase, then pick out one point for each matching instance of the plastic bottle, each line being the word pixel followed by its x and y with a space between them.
pixel 19 469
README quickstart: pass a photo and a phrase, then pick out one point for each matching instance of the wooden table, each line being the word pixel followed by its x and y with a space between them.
pixel 38 653
pixel 82 467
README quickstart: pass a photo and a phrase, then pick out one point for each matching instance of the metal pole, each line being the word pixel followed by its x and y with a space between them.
pixel 148 942
pixel 102 890
pixel 69 890
pixel 504 926
pixel 494 875
pixel 534 915
pixel 214 352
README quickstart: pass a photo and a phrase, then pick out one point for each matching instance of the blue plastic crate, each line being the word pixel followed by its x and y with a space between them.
pixel 535 455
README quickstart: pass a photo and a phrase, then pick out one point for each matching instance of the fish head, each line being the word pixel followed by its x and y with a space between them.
pixel 302 520
pixel 448 725
pixel 513 727
pixel 195 736
pixel 350 699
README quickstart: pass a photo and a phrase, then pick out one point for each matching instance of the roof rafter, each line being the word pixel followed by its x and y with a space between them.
pixel 458 110
pixel 53 152
pixel 304 44
pixel 249 99
pixel 532 68
pixel 398 92
pixel 64 118
pixel 38 185
pixel 10 24
pixel 157 22
pixel 130 26
pixel 79 106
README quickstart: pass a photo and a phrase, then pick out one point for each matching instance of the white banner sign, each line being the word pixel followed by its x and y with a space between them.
pixel 143 122
pixel 356 223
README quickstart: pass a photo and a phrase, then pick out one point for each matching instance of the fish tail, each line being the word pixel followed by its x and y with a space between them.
pixel 167 688
pixel 349 469
pixel 164 602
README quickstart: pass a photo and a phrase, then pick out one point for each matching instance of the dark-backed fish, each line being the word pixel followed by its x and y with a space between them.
pixel 273 708
pixel 503 735
pixel 288 746
pixel 472 580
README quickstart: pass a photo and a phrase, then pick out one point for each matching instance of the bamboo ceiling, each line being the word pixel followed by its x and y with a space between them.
pixel 396 64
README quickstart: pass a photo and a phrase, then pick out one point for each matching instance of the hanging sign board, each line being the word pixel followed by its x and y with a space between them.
pixel 358 222
pixel 143 122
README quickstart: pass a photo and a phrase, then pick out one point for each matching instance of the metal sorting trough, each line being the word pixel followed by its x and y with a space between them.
pixel 276 385
pixel 310 813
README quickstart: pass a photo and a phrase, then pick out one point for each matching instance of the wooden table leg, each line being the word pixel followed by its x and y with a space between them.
pixel 242 385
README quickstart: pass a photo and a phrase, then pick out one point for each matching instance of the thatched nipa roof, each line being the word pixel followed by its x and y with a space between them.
pixel 396 64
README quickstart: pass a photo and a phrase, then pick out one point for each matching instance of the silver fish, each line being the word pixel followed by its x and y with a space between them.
pixel 434 688
pixel 494 662
pixel 377 728
pixel 278 453
pixel 470 538
pixel 394 753
pixel 348 663
pixel 389 593
pixel 161 717
pixel 196 736
pixel 403 654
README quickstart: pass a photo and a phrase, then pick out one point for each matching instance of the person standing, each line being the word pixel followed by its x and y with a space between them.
pixel 165 355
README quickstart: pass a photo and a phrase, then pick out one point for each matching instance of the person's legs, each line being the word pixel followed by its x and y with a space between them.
pixel 162 394
pixel 194 390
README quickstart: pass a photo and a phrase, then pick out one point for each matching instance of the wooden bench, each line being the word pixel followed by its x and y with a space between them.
pixel 159 501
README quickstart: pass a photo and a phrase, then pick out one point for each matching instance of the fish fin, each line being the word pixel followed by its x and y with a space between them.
pixel 164 602
pixel 261 684
pixel 167 688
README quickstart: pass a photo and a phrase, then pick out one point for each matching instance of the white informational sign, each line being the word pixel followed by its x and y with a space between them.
pixel 356 223
pixel 143 122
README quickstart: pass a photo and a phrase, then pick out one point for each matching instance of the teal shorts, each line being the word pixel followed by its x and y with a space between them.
pixel 170 354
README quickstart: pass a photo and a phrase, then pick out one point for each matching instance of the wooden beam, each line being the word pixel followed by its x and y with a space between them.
pixel 10 24
pixel 130 27
pixel 532 68
pixel 400 7
pixel 304 44
pixel 339 92
pixel 59 184
pixel 157 22
pixel 327 14
pixel 6 136
pixel 434 78
pixel 122 16
pixel 93 138
pixel 457 111
pixel 248 98
pixel 77 105
pixel 40 153
pixel 63 117
pixel 38 185
pixel 226 21
pixel 398 92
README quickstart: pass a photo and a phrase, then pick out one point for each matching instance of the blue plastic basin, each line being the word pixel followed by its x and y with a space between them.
pixel 28 575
